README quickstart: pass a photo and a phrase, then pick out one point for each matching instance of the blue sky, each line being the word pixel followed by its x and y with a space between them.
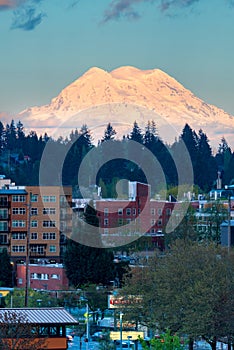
pixel 47 44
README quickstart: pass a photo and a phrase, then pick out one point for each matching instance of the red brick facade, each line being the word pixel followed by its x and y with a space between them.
pixel 46 277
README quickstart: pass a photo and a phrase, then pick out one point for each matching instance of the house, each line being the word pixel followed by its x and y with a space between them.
pixel 26 328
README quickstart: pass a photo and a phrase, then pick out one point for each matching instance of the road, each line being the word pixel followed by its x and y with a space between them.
pixel 92 345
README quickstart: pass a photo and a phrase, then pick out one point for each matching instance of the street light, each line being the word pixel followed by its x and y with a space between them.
pixel 87 326
pixel 121 329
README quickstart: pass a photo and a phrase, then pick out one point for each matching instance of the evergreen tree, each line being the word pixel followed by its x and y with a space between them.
pixel 224 161
pixel 5 269
pixel 11 136
pixel 2 137
pixel 206 166
pixel 109 133
pixel 136 133
pixel 20 135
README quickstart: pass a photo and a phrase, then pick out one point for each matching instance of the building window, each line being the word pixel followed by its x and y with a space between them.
pixel 106 221
pixel 3 239
pixel 49 211
pixel 34 235
pixel 18 198
pixel 18 223
pixel 3 226
pixel 18 211
pixel 63 199
pixel 134 211
pixel 128 221
pixel 120 222
pixel 120 211
pixel 3 201
pixel 106 211
pixel 153 222
pixel 37 249
pixel 152 211
pixel 18 235
pixel 168 211
pixel 3 213
pixel 48 223
pixel 20 280
pixel 159 211
pixel 139 210
pixel 49 198
pixel 49 235
pixel 18 248
pixel 34 198
pixel 34 211
pixel 159 222
pixel 34 223
pixel 128 211
pixel 55 276
pixel 106 231
pixel 52 249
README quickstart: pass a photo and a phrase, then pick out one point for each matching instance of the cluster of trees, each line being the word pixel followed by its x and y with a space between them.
pixel 21 155
pixel 86 264
pixel 189 290
pixel 6 270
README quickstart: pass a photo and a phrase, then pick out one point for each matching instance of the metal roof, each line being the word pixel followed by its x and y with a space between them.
pixel 41 315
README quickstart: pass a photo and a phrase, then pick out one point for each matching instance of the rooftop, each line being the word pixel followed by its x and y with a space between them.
pixel 38 315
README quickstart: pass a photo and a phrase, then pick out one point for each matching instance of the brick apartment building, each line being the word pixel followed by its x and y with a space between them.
pixel 138 213
pixel 42 277
pixel 35 217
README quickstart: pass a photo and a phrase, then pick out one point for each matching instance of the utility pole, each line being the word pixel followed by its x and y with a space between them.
pixel 229 218
pixel 27 253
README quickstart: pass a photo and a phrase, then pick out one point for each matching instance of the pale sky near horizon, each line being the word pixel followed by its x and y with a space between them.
pixel 47 44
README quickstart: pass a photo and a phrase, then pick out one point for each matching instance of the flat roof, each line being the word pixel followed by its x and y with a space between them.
pixel 40 315
pixel 10 191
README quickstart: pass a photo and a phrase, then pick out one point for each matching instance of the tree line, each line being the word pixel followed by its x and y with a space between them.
pixel 21 153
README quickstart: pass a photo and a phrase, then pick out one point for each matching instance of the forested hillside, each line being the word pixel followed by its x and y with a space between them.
pixel 20 156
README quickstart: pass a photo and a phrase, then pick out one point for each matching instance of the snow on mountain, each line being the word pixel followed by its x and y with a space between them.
pixel 124 95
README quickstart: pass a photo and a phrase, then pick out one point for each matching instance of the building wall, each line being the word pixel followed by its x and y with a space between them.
pixel 49 211
pixel 139 214
pixel 46 277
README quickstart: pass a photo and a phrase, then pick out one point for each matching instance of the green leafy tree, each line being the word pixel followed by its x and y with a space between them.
pixel 165 341
pixel 189 290
pixel 35 299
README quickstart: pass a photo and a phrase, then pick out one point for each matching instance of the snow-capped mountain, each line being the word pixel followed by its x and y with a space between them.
pixel 122 96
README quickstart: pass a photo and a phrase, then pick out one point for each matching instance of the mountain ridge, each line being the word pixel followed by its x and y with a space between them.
pixel 152 90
